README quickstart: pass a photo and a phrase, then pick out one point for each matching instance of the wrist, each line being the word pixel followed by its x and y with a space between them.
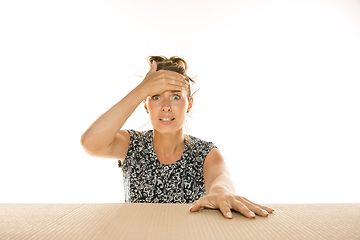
pixel 140 91
pixel 220 190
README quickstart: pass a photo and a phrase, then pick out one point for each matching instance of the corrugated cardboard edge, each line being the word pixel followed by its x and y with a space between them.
pixel 174 221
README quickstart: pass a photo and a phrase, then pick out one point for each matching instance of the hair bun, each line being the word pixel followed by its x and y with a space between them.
pixel 179 61
pixel 161 60
pixel 157 59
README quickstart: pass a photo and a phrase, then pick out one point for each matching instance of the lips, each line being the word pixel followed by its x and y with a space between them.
pixel 167 119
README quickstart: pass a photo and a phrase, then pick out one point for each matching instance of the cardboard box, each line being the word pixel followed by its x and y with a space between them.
pixel 174 221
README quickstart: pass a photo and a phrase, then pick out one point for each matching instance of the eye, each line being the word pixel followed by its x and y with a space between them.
pixel 176 97
pixel 155 97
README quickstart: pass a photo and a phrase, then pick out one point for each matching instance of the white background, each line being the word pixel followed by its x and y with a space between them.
pixel 279 92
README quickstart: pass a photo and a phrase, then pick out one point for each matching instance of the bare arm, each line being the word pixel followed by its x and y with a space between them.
pixel 216 175
pixel 104 138
pixel 220 192
pixel 101 137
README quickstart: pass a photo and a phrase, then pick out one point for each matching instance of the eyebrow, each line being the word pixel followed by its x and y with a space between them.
pixel 172 91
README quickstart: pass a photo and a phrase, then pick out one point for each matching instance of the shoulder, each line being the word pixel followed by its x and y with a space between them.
pixel 138 146
pixel 196 142
pixel 199 145
pixel 140 135
pixel 139 140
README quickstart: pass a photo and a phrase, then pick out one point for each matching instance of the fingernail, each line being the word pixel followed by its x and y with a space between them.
pixel 265 212
pixel 252 214
pixel 229 215
pixel 191 207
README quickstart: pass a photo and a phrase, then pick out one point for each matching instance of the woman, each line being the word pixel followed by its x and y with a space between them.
pixel 164 165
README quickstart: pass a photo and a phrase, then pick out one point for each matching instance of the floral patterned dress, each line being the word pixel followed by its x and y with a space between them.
pixel 146 180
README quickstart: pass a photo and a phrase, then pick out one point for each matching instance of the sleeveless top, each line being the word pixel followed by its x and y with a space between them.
pixel 146 180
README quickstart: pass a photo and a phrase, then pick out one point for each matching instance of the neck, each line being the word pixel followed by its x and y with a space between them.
pixel 167 146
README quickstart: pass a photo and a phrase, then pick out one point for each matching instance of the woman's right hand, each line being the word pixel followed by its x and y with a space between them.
pixel 103 138
pixel 157 82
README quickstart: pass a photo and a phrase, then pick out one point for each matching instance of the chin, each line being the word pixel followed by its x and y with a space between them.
pixel 167 129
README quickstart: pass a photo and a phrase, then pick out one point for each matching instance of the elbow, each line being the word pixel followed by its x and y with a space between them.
pixel 87 145
pixel 84 143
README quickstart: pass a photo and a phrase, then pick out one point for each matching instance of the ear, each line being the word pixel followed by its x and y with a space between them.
pixel 145 106
pixel 191 101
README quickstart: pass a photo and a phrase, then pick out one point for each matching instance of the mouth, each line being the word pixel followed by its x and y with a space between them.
pixel 167 119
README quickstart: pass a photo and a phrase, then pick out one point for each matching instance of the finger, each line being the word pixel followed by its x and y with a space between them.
pixel 241 208
pixel 175 76
pixel 253 207
pixel 169 72
pixel 203 202
pixel 172 85
pixel 195 207
pixel 257 210
pixel 176 83
pixel 173 88
pixel 172 80
pixel 153 67
pixel 268 209
pixel 225 209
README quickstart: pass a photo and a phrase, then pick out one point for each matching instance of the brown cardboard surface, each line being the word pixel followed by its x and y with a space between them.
pixel 174 221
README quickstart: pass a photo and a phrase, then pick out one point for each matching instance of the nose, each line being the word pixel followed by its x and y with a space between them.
pixel 166 109
pixel 166 105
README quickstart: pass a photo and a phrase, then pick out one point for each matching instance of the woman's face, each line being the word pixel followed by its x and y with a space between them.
pixel 168 110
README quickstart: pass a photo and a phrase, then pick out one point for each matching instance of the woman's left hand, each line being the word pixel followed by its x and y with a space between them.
pixel 226 202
